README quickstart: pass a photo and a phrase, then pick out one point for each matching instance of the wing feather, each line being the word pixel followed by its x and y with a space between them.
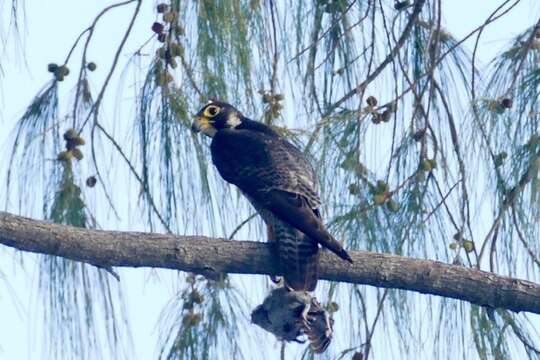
pixel 275 174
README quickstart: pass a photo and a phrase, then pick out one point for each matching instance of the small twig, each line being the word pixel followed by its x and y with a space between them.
pixel 518 331
pixel 250 217
pixel 465 207
pixel 522 239
pixel 510 199
pixel 372 330
pixel 475 50
pixel 275 59
pixel 334 24
pixel 137 176
pixel 90 31
pixel 189 72
pixel 75 44
pixel 98 173
pixel 95 108
pixel 442 202
pixel 110 270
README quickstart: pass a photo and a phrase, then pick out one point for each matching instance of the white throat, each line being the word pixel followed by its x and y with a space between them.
pixel 210 131
pixel 233 120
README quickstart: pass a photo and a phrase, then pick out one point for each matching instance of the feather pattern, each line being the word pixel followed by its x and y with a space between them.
pixel 280 182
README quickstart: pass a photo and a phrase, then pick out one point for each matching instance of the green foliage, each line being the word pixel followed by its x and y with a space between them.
pixel 204 321
pixel 68 207
pixel 220 24
pixel 488 335
pixel 36 134
pixel 79 299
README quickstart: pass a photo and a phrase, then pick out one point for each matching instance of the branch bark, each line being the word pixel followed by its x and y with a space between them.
pixel 206 256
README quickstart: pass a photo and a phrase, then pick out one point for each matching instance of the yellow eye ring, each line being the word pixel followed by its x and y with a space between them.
pixel 211 111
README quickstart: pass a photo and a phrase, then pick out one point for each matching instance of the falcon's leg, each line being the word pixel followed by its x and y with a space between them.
pixel 328 331
pixel 270 236
pixel 304 316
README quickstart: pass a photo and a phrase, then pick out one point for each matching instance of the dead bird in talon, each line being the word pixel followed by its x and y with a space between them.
pixel 291 315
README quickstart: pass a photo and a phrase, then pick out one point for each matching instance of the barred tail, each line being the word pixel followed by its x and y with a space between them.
pixel 301 273
pixel 296 213
pixel 299 258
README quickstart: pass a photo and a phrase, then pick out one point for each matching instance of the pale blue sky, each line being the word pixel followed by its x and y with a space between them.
pixel 50 28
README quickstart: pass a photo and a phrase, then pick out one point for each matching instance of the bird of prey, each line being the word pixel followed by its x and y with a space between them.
pixel 279 182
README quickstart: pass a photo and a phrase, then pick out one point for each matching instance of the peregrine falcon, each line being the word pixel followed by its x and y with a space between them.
pixel 279 182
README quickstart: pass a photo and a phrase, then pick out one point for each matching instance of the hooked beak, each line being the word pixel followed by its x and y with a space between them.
pixel 203 124
pixel 196 127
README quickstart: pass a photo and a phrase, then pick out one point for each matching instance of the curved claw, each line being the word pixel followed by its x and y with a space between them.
pixel 278 280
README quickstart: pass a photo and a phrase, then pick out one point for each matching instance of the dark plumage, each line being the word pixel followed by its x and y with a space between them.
pixel 279 182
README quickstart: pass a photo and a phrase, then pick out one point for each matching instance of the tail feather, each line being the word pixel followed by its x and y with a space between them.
pixel 293 210
pixel 300 274
pixel 298 257
pixel 324 238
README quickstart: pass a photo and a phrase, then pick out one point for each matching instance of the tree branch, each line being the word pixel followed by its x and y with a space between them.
pixel 205 255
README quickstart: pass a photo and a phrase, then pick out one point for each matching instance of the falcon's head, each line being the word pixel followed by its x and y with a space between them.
pixel 215 116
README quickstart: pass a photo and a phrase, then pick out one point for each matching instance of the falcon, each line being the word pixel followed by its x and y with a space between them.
pixel 279 182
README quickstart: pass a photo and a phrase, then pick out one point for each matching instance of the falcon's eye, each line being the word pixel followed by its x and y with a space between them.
pixel 211 111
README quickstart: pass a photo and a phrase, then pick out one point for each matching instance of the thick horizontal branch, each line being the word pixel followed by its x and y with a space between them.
pixel 205 255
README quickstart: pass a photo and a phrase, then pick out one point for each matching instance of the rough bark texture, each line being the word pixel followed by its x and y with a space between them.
pixel 210 256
